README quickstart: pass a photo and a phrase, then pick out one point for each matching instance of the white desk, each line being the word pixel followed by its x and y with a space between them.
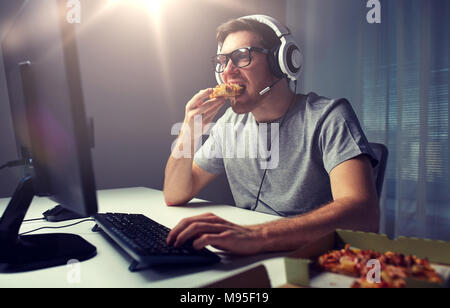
pixel 110 267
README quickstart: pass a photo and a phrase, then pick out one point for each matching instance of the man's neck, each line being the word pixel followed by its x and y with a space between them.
pixel 275 105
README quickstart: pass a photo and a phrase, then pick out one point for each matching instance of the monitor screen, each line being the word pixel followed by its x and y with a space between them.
pixel 46 98
pixel 47 107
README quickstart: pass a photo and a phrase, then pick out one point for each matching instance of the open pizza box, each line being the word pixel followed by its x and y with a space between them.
pixel 300 273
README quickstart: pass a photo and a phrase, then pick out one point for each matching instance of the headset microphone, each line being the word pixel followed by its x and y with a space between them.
pixel 269 87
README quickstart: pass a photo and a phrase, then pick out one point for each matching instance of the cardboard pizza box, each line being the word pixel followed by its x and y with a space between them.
pixel 256 277
pixel 299 272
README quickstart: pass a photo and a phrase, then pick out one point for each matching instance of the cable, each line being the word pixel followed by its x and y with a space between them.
pixel 15 163
pixel 79 222
pixel 33 219
pixel 259 191
pixel 265 171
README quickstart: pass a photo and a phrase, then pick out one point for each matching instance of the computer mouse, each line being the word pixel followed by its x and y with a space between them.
pixel 59 213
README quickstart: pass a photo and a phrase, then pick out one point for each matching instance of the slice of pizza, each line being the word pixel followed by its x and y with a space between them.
pixel 413 266
pixel 227 90
pixel 390 277
pixel 347 261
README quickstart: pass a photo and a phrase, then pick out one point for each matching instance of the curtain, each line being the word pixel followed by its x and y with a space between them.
pixel 405 100
pixel 396 74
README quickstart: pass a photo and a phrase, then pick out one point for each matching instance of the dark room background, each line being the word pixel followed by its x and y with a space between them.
pixel 138 73
pixel 139 70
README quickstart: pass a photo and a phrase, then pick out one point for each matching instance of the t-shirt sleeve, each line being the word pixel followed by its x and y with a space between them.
pixel 209 157
pixel 341 137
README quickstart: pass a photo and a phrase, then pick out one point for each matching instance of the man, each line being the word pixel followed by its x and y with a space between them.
pixel 323 179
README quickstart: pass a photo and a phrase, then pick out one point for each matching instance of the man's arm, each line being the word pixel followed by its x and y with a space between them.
pixel 183 179
pixel 355 207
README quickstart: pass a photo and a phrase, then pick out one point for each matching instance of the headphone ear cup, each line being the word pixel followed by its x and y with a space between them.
pixel 294 59
pixel 274 65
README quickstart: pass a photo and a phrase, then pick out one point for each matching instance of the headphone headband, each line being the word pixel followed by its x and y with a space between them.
pixel 279 29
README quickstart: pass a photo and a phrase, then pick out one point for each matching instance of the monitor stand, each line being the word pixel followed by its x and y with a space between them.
pixel 32 252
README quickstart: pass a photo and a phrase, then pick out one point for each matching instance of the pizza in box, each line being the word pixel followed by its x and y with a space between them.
pixel 394 268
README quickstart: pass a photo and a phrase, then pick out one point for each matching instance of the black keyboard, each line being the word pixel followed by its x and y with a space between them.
pixel 145 241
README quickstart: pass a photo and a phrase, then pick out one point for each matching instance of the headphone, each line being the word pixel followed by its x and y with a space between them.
pixel 286 59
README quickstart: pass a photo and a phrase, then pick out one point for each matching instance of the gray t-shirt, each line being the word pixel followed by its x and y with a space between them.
pixel 298 151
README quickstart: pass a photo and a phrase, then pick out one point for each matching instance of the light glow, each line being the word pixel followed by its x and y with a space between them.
pixel 153 6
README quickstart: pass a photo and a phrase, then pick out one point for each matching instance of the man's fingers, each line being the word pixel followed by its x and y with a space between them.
pixel 199 98
pixel 205 110
pixel 203 94
pixel 209 229
pixel 216 240
pixel 210 113
pixel 184 223
pixel 229 241
pixel 211 104
pixel 197 228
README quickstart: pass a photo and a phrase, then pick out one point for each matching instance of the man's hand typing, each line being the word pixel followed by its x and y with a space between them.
pixel 208 229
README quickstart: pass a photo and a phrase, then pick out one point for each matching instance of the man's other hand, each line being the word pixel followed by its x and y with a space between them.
pixel 209 229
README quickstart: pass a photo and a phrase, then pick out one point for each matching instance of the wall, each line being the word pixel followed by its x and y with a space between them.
pixel 328 31
pixel 138 74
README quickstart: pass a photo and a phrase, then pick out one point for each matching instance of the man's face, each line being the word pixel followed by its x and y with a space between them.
pixel 255 77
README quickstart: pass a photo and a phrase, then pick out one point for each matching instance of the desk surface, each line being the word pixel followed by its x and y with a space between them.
pixel 110 267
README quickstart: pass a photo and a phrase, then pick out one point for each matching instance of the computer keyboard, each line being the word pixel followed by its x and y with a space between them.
pixel 145 241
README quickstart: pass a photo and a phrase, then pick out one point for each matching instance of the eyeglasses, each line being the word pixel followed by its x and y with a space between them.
pixel 240 57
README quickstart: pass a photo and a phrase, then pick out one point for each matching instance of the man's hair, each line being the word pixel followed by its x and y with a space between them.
pixel 269 39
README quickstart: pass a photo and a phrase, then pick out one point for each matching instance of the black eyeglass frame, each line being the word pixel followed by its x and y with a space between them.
pixel 229 56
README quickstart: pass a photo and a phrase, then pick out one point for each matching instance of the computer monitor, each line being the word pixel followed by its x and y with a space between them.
pixel 44 87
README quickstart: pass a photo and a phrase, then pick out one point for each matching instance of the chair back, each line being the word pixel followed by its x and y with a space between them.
pixel 382 153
